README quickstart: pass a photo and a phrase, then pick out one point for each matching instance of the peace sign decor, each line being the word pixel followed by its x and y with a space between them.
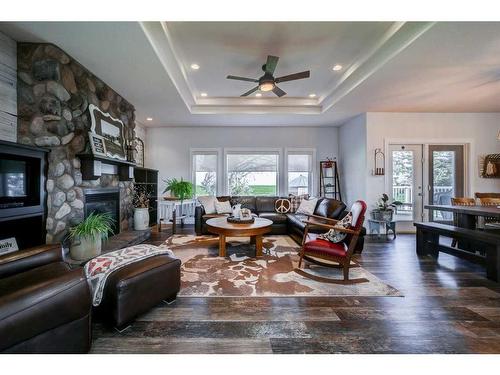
pixel 282 206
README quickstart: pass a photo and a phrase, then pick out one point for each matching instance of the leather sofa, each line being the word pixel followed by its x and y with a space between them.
pixel 45 307
pixel 289 223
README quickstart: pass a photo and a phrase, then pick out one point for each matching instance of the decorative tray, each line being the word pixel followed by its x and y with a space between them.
pixel 233 220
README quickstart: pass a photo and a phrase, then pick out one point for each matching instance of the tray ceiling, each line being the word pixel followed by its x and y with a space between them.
pixel 415 66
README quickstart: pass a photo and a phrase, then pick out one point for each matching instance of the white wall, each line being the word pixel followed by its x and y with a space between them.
pixel 479 130
pixel 140 131
pixel 168 149
pixel 352 159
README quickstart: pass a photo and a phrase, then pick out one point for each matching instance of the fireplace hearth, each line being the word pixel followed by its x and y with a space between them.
pixel 103 200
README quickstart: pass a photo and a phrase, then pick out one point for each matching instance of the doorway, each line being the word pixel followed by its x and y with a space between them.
pixel 446 178
pixel 405 184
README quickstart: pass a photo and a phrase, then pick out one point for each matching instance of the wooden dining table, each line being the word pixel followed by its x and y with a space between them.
pixel 475 245
pixel 466 215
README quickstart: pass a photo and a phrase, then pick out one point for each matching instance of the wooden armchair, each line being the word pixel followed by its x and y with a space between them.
pixel 328 254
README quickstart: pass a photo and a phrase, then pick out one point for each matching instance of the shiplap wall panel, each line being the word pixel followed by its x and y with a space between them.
pixel 8 75
pixel 8 127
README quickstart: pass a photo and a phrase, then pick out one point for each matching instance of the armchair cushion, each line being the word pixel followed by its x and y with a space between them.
pixel 320 247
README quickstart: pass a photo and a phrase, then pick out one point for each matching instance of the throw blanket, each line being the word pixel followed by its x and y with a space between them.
pixel 98 269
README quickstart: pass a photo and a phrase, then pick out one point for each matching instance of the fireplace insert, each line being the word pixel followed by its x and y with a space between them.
pixel 104 200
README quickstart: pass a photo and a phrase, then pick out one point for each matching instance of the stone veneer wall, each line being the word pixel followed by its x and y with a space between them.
pixel 54 92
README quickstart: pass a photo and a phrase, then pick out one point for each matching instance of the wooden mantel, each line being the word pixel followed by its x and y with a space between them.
pixel 92 167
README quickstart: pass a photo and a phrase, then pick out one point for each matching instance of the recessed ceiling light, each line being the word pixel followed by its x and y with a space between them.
pixel 337 67
pixel 312 95
pixel 149 119
pixel 195 66
pixel 258 94
pixel 204 94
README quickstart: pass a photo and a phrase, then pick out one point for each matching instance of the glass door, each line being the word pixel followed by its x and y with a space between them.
pixel 405 183
pixel 446 177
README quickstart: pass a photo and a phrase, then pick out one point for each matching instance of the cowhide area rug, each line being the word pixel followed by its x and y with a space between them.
pixel 205 274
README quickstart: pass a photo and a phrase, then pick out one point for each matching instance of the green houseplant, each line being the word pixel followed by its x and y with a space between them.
pixel 179 188
pixel 384 209
pixel 86 237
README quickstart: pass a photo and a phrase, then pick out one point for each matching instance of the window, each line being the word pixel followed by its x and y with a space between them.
pixel 252 173
pixel 300 172
pixel 205 172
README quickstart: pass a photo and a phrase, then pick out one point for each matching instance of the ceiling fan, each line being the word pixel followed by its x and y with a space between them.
pixel 267 82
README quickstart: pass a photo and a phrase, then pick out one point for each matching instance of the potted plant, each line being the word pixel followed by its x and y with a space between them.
pixel 141 210
pixel 179 188
pixel 385 210
pixel 86 237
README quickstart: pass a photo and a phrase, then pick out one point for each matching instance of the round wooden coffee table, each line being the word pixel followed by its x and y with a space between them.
pixel 255 230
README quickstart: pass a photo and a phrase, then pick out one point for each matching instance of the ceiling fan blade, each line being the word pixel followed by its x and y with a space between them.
pixel 250 91
pixel 271 63
pixel 293 77
pixel 242 78
pixel 279 91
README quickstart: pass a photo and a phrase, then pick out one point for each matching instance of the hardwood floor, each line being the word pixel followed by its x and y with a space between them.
pixel 448 307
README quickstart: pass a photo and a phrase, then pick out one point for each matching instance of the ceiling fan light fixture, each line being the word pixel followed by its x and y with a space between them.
pixel 266 86
pixel 258 95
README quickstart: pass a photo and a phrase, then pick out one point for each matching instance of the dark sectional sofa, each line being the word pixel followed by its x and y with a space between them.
pixel 290 223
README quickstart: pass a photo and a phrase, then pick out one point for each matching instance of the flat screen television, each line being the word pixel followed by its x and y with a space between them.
pixel 19 186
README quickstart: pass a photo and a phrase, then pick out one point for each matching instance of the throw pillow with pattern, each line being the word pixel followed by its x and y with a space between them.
pixel 223 207
pixel 295 201
pixel 335 236
pixel 307 206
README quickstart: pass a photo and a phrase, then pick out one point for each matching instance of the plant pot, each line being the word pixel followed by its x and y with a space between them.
pixel 382 215
pixel 85 248
pixel 141 218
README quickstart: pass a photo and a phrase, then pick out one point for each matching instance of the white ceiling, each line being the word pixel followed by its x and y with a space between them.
pixel 445 67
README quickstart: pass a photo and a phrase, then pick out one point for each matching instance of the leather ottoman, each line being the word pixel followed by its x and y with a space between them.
pixel 137 287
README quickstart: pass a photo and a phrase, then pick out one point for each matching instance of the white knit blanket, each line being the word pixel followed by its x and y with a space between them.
pixel 98 269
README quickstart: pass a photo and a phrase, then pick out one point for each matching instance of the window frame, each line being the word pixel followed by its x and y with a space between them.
pixel 206 151
pixel 301 151
pixel 258 151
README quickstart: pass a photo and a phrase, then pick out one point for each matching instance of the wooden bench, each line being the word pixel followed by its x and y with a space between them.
pixel 489 244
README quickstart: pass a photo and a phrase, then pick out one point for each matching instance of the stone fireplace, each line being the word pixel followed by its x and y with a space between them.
pixel 54 93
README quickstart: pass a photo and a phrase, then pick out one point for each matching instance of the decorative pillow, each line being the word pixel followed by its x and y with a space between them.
pixel 307 206
pixel 295 201
pixel 335 236
pixel 223 207
pixel 208 203
pixel 282 206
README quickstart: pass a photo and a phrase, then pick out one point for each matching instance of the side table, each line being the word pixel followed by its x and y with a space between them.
pixel 375 226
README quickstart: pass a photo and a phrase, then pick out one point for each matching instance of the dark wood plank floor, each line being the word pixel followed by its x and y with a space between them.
pixel 449 307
